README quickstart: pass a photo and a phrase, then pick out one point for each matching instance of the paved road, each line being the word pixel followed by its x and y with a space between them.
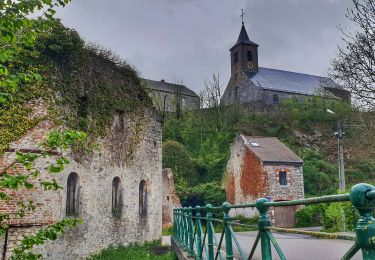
pixel 298 247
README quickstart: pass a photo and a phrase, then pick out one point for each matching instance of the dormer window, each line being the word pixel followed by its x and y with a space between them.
pixel 235 57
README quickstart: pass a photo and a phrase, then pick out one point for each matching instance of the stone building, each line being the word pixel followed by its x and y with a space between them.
pixel 170 198
pixel 115 188
pixel 168 96
pixel 251 84
pixel 263 167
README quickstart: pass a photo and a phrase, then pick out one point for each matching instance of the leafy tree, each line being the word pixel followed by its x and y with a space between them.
pixel 18 34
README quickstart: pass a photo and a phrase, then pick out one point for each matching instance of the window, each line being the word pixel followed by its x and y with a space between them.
pixel 116 197
pixel 236 93
pixel 282 178
pixel 249 56
pixel 235 58
pixel 275 99
pixel 72 195
pixel 143 199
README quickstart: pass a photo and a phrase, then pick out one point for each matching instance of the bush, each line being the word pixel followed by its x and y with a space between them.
pixel 340 217
pixel 203 194
pixel 310 216
pixel 176 157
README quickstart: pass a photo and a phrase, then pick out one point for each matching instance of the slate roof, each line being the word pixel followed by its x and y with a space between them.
pixel 287 81
pixel 243 38
pixel 271 150
pixel 169 87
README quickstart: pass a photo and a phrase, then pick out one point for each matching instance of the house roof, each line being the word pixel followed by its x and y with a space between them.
pixel 164 86
pixel 287 81
pixel 243 38
pixel 271 150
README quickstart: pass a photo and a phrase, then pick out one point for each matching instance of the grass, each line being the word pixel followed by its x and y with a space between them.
pixel 167 231
pixel 133 252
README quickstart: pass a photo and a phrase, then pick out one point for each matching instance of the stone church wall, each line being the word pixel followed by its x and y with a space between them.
pixel 96 173
pixel 242 90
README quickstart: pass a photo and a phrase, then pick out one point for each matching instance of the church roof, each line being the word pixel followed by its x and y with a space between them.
pixel 271 150
pixel 287 81
pixel 243 38
pixel 167 87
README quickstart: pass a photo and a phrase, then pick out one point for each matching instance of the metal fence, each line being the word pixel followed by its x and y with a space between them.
pixel 194 227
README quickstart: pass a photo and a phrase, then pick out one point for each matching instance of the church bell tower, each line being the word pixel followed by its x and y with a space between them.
pixel 244 54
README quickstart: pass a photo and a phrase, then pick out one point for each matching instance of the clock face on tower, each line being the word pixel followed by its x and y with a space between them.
pixel 250 65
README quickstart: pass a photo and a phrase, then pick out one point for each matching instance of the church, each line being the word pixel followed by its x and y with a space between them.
pixel 251 84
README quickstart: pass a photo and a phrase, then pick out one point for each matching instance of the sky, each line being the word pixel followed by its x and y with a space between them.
pixel 189 40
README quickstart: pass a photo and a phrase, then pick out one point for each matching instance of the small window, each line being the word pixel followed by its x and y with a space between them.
pixel 249 56
pixel 275 99
pixel 72 195
pixel 236 93
pixel 282 178
pixel 116 197
pixel 143 199
pixel 235 58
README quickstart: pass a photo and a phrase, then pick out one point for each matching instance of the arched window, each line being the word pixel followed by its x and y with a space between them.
pixel 72 195
pixel 275 99
pixel 142 199
pixel 249 56
pixel 116 197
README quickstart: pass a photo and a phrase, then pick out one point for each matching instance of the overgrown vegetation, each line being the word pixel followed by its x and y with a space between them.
pixel 196 144
pixel 133 251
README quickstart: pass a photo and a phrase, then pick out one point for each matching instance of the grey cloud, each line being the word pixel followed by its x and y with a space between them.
pixel 190 39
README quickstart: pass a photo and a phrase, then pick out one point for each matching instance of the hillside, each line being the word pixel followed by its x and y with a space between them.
pixel 196 143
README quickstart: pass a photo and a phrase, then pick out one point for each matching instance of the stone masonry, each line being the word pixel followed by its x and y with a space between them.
pixel 170 198
pixel 96 173
pixel 254 171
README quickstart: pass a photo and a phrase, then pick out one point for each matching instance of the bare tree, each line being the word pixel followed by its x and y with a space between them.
pixel 211 94
pixel 354 65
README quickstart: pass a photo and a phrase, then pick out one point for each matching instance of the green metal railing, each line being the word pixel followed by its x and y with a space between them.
pixel 194 228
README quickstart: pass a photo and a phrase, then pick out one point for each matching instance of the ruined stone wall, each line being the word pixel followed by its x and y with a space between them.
pixel 96 173
pixel 170 198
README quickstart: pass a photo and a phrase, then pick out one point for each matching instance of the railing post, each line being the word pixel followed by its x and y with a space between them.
pixel 210 233
pixel 362 197
pixel 179 227
pixel 263 223
pixel 228 234
pixel 190 232
pixel 198 244
pixel 183 230
pixel 174 224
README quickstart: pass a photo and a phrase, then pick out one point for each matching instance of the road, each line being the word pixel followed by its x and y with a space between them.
pixel 298 247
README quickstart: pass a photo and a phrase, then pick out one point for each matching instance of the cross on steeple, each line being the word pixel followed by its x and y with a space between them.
pixel 242 14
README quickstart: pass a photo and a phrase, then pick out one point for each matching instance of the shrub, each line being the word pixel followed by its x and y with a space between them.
pixel 310 216
pixel 340 217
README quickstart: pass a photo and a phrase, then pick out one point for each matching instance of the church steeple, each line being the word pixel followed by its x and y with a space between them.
pixel 244 54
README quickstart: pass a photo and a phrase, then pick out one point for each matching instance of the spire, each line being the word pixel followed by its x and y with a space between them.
pixel 243 38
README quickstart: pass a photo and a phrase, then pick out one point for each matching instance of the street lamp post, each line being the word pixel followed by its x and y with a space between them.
pixel 340 151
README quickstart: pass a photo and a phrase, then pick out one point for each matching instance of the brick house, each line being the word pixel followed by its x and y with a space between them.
pixel 264 167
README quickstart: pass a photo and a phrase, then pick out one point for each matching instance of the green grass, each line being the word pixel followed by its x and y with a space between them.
pixel 167 231
pixel 132 252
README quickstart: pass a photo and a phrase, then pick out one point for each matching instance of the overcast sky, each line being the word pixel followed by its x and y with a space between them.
pixel 190 39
